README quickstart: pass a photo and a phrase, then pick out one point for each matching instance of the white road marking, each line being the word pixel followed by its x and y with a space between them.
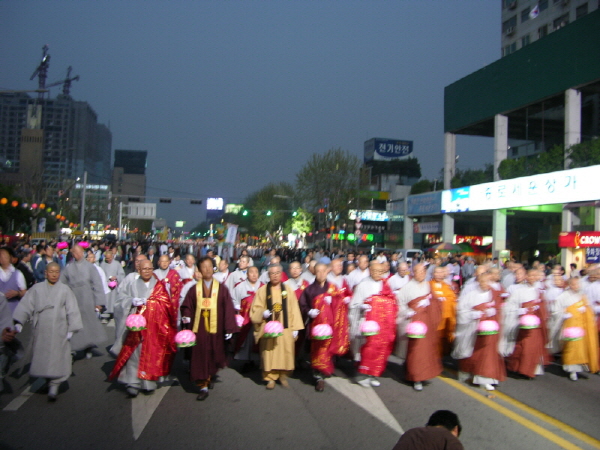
pixel 143 406
pixel 25 395
pixel 367 399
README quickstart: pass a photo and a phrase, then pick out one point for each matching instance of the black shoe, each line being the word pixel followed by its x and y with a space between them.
pixel 132 392
pixel 51 398
pixel 320 386
pixel 148 391
pixel 203 395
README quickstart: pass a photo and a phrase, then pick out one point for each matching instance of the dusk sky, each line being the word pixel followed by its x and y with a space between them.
pixel 228 96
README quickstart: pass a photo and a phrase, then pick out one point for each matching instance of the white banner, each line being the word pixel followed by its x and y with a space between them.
pixel 231 234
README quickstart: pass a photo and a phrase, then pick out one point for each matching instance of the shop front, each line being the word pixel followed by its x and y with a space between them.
pixel 581 247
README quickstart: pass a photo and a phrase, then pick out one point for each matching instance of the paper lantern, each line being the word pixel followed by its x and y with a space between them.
pixel 62 245
pixel 112 284
pixel 4 201
pixel 135 322
pixel 273 329
pixel 25 205
pixel 573 333
pixel 369 328
pixel 239 319
pixel 34 205
pixel 322 332
pixel 185 338
pixel 14 203
pixel 529 322
pixel 84 244
pixel 48 209
pixel 488 327
pixel 416 330
pixel 42 205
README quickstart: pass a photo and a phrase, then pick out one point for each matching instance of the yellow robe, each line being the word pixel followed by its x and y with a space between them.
pixel 276 353
pixel 583 351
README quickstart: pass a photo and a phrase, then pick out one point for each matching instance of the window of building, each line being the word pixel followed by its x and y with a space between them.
pixel 542 31
pixel 525 40
pixel 581 11
pixel 508 27
pixel 510 4
pixel 543 4
pixel 561 21
pixel 525 14
pixel 511 48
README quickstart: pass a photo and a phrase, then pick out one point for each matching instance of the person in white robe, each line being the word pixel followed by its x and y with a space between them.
pixel 400 278
pixel 223 273
pixel 187 272
pixel 52 308
pixel 163 267
pixel 238 276
pixel 120 310
pixel 360 273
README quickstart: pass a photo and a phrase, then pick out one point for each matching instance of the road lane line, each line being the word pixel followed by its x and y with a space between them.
pixel 25 395
pixel 550 420
pixel 367 399
pixel 512 415
pixel 143 406
pixel 580 435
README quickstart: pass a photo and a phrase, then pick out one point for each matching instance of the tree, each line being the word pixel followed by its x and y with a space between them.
pixel 549 161
pixel 422 186
pixel 329 181
pixel 409 168
pixel 470 177
pixel 302 222
pixel 268 208
pixel 585 154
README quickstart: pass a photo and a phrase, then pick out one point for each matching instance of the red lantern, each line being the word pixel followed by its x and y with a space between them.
pixel 15 203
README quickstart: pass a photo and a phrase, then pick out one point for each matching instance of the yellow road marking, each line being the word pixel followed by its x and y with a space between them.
pixel 580 435
pixel 512 415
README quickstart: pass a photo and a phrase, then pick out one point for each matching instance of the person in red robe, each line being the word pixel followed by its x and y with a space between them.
pixel 316 300
pixel 342 295
pixel 298 284
pixel 374 296
pixel 148 354
pixel 208 310
pixel 243 296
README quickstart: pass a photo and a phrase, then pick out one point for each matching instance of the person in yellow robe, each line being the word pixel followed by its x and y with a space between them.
pixel 572 309
pixel 276 301
pixel 444 293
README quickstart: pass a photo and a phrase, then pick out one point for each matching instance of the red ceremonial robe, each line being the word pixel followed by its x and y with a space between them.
pixel 208 355
pixel 321 355
pixel 245 306
pixel 378 348
pixel 340 344
pixel 158 338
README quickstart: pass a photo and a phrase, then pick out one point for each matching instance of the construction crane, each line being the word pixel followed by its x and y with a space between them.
pixel 66 82
pixel 42 72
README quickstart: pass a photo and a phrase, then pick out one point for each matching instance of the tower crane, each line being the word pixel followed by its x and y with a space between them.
pixel 66 82
pixel 42 72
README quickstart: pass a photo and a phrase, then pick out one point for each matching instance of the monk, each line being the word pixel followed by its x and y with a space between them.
pixel 377 302
pixel 444 293
pixel 145 356
pixel 275 301
pixel 422 356
pixel 342 295
pixel 243 296
pixel 208 311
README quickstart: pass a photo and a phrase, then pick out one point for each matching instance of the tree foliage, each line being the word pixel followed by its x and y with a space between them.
pixel 421 187
pixel 585 154
pixel 329 181
pixel 278 198
pixel 302 222
pixel 470 177
pixel 404 167
pixel 549 161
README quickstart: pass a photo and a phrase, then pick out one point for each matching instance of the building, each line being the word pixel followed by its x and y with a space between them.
pixel 546 93
pixel 51 140
pixel 526 21
pixel 129 175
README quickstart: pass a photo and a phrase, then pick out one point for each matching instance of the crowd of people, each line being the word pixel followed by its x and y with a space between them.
pixel 492 318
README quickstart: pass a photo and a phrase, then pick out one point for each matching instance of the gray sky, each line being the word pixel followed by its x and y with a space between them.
pixel 229 95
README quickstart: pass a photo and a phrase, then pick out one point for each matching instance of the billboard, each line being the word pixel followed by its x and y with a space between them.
pixel 564 186
pixel 383 149
pixel 369 215
pixel 141 210
pixel 233 208
pixel 214 203
pixel 426 204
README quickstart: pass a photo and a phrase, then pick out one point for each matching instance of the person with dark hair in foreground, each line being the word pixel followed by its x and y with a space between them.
pixel 441 432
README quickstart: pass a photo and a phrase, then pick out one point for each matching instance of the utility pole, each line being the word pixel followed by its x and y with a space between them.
pixel 120 219
pixel 82 212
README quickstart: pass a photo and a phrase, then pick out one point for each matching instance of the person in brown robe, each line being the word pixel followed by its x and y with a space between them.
pixel 208 311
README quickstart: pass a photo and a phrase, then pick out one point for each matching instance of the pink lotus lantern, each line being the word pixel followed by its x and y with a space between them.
pixel 529 322
pixel 488 327
pixel 135 322
pixel 369 328
pixel 112 284
pixel 62 245
pixel 273 329
pixel 322 332
pixel 83 244
pixel 239 319
pixel 573 333
pixel 185 338
pixel 416 330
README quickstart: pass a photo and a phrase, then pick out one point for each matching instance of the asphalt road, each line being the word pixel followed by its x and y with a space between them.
pixel 550 412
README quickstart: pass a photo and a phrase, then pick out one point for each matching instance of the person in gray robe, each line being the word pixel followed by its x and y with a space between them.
pixel 114 273
pixel 120 310
pixel 83 279
pixel 7 339
pixel 52 308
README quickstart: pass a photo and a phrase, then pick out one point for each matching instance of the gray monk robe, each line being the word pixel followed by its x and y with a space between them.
pixel 54 312
pixel 113 269
pixel 83 279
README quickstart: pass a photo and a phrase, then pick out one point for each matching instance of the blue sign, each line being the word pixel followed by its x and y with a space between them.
pixel 381 149
pixel 592 255
pixel 425 204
